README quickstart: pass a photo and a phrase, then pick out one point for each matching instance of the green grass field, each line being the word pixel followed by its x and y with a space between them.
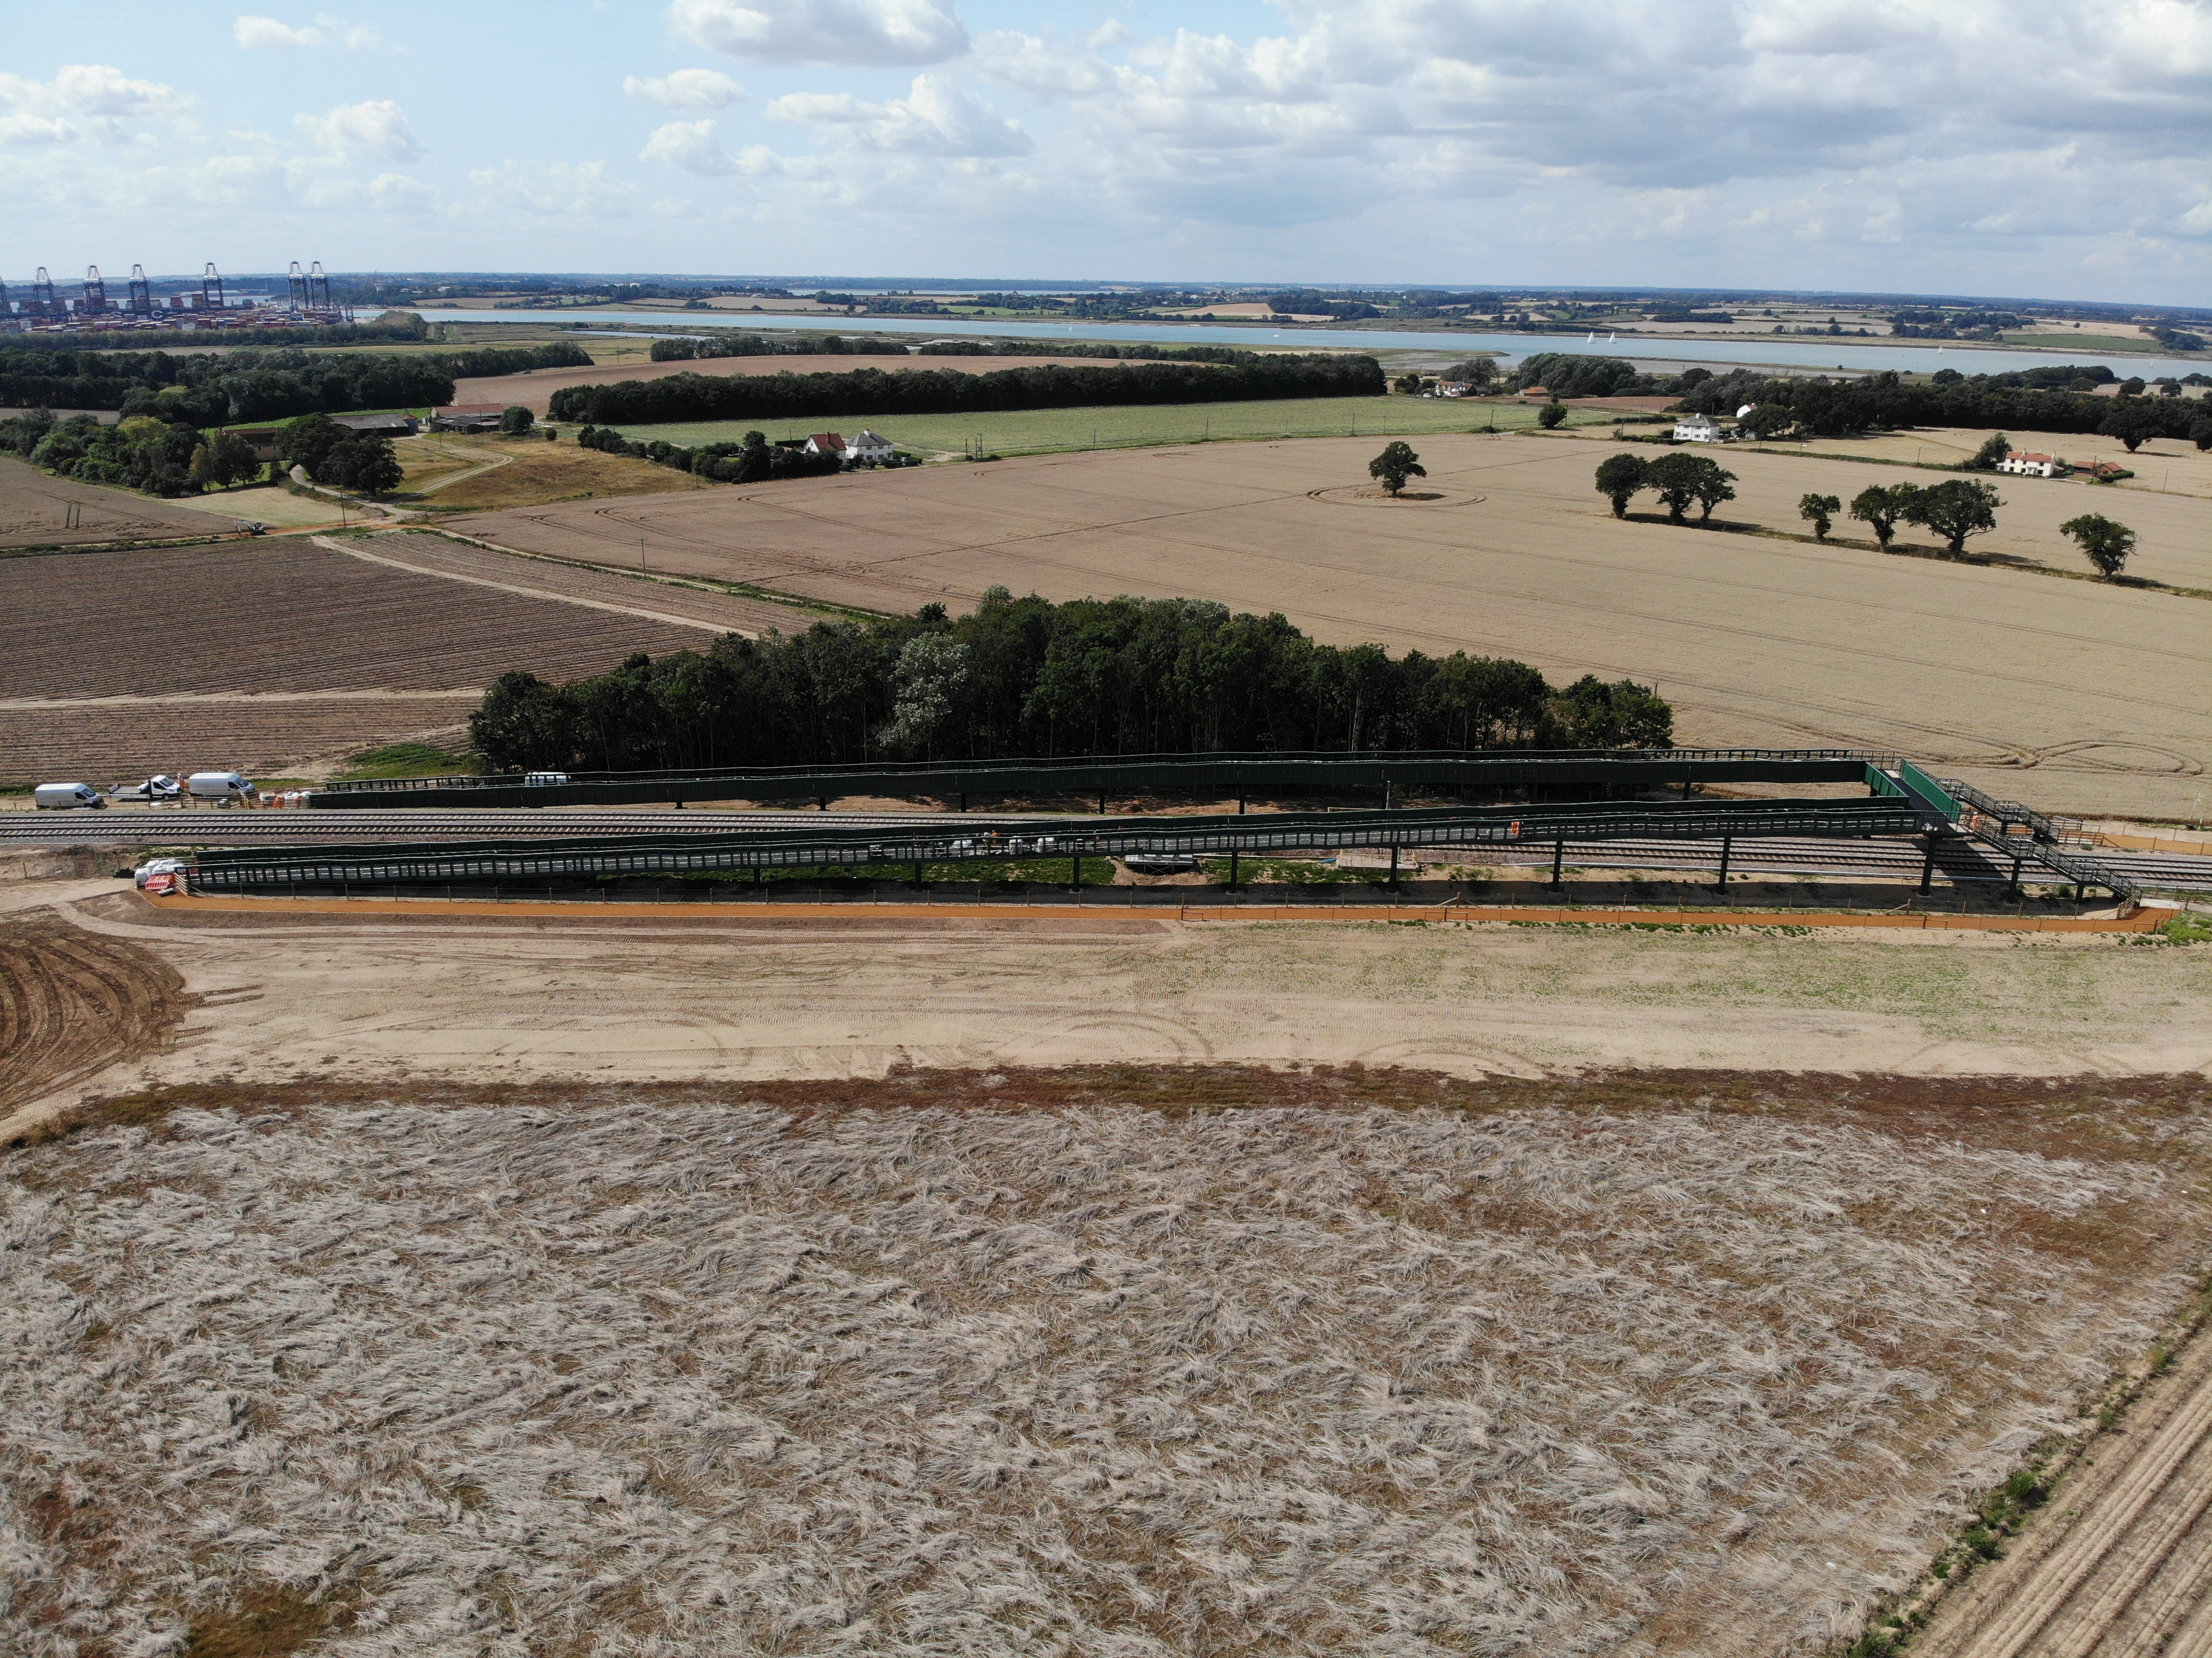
pixel 1038 431
pixel 2069 340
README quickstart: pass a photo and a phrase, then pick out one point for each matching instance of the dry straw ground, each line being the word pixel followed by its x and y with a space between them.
pixel 2096 690
pixel 1119 1363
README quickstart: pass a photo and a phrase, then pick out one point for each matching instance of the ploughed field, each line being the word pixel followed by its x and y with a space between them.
pixel 2075 696
pixel 1124 1360
pixel 262 654
pixel 34 511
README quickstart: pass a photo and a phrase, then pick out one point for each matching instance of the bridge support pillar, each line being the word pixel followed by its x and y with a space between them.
pixel 1728 845
pixel 1559 859
pixel 2012 887
pixel 963 802
pixel 1101 802
pixel 1394 869
pixel 821 803
pixel 1928 868
pixel 1233 867
pixel 1075 872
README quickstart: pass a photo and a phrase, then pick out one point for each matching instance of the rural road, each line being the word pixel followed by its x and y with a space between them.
pixel 2119 1565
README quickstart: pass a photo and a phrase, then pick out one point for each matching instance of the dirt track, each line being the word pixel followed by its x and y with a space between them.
pixel 2120 1566
pixel 634 1001
pixel 74 1004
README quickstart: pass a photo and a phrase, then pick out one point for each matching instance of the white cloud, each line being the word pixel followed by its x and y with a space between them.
pixel 395 193
pixel 687 88
pixel 881 33
pixel 99 89
pixel 937 118
pixel 257 34
pixel 554 190
pixel 26 128
pixel 694 147
pixel 377 127
pixel 267 34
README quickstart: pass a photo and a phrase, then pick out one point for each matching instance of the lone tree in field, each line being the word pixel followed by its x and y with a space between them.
pixel 2106 543
pixel 1682 479
pixel 1394 465
pixel 1955 509
pixel 1618 478
pixel 1879 508
pixel 1551 416
pixel 1819 512
pixel 2133 421
pixel 514 420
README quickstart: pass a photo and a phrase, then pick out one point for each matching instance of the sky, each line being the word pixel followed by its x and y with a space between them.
pixel 2023 149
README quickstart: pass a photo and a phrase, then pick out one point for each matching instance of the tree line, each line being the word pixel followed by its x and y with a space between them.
pixel 226 388
pixel 394 328
pixel 687 397
pixel 2057 399
pixel 1024 677
pixel 755 461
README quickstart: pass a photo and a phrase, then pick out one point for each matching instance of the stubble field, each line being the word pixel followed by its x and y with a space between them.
pixel 1124 1362
pixel 2073 695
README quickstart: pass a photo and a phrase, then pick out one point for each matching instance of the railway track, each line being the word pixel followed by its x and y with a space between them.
pixel 1960 862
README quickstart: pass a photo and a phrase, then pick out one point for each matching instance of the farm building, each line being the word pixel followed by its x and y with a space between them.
pixel 870 448
pixel 825 443
pixel 380 426
pixel 466 417
pixel 2029 464
pixel 1696 429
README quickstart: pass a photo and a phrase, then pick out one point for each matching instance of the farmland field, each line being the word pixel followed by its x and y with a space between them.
pixel 33 512
pixel 2075 696
pixel 1106 1361
pixel 466 473
pixel 266 654
pixel 1033 431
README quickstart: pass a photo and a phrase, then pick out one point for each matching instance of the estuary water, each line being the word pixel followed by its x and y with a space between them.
pixel 1778 350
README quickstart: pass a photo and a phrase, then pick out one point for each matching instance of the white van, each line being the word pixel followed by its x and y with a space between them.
pixel 223 785
pixel 544 780
pixel 158 787
pixel 66 797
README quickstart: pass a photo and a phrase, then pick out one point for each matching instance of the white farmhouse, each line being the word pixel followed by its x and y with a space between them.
pixel 1696 429
pixel 2029 464
pixel 825 443
pixel 869 449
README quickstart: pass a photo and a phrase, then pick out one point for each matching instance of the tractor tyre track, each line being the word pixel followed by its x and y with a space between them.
pixel 73 1003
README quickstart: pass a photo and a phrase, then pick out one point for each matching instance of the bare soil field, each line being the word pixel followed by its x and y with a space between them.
pixel 649 597
pixel 2094 689
pixel 2119 1564
pixel 275 657
pixel 33 512
pixel 291 615
pixel 284 734
pixel 477 997
pixel 1133 1361
pixel 73 1002
pixel 535 389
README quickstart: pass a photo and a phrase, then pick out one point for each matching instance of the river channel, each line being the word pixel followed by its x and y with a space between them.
pixel 1778 351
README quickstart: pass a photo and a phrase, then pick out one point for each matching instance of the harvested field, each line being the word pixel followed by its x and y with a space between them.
pixel 2120 1562
pixel 293 616
pixel 73 1003
pixel 461 473
pixel 2075 696
pixel 33 512
pixel 287 734
pixel 1124 1362
pixel 647 597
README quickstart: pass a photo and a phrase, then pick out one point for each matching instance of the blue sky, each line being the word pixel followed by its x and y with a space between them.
pixel 1900 145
